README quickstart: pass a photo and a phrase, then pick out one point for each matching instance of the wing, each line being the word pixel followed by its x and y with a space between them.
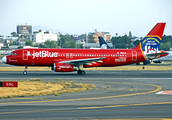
pixel 83 61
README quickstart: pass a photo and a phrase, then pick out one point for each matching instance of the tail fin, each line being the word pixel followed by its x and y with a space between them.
pixel 153 39
pixel 103 44
pixel 151 43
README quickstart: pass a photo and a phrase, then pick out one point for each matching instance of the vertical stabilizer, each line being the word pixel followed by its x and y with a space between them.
pixel 151 43
pixel 103 43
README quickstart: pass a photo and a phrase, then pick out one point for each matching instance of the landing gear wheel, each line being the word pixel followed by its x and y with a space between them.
pixel 82 72
pixel 79 71
pixel 25 73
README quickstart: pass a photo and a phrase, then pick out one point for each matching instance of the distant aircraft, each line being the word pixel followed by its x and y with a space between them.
pixel 68 60
pixel 103 43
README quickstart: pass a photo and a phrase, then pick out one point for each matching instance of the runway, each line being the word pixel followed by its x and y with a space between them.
pixel 132 94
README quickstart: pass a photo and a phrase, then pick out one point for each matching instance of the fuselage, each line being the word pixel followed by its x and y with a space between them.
pixel 47 57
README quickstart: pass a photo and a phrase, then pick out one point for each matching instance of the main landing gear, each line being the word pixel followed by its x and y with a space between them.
pixel 81 72
pixel 25 72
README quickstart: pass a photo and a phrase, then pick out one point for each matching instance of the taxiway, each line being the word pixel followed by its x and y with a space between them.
pixel 132 94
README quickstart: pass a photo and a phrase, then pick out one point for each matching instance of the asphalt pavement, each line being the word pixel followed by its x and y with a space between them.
pixel 132 94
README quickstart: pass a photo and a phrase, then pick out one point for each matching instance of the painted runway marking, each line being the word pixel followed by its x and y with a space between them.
pixel 85 108
pixel 165 92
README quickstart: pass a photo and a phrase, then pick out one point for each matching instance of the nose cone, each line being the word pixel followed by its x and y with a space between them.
pixel 4 59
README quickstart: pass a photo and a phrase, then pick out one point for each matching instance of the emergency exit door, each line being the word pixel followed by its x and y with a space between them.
pixel 25 56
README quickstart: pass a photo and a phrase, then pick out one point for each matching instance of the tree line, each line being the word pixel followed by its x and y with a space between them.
pixel 120 42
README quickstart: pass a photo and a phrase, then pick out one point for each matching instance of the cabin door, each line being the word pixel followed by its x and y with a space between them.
pixel 25 56
pixel 67 55
pixel 71 55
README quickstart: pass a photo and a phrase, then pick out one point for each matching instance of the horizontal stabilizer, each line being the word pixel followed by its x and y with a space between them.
pixel 155 55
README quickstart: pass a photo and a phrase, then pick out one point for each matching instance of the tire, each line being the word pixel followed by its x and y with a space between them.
pixel 82 72
pixel 145 63
pixel 138 63
pixel 79 71
pixel 25 73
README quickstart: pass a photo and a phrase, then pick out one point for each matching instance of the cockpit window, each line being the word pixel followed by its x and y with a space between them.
pixel 15 53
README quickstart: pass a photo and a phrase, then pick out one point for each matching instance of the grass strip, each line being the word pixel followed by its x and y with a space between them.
pixel 22 69
pixel 35 87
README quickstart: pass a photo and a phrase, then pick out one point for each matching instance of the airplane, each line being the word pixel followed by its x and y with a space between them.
pixel 69 60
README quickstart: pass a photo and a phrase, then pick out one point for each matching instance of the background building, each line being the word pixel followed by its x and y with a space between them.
pixel 106 36
pixel 24 32
pixel 41 36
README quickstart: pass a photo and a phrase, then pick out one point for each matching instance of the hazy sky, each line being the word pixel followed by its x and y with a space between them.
pixel 83 16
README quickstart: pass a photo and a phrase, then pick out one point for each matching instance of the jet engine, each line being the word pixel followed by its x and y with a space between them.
pixel 63 67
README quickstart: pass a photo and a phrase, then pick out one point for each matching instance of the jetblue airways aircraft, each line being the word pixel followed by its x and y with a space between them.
pixel 68 60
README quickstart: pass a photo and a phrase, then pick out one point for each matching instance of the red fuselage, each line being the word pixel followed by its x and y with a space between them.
pixel 47 57
pixel 68 60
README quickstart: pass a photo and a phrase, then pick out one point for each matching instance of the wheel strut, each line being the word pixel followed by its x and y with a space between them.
pixel 25 72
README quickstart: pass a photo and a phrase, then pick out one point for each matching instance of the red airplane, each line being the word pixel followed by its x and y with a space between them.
pixel 68 60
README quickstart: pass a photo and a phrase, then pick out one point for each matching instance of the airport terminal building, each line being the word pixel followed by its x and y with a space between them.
pixel 41 36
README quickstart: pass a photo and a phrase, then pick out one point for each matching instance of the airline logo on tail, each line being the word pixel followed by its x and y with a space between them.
pixel 150 44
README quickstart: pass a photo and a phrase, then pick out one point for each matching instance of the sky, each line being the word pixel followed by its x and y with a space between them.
pixel 83 16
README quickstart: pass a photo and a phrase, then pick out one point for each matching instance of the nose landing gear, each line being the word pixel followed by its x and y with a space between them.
pixel 25 72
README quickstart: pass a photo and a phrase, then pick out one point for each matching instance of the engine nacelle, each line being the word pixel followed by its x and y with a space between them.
pixel 63 67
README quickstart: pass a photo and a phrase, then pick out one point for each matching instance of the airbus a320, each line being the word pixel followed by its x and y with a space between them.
pixel 69 60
